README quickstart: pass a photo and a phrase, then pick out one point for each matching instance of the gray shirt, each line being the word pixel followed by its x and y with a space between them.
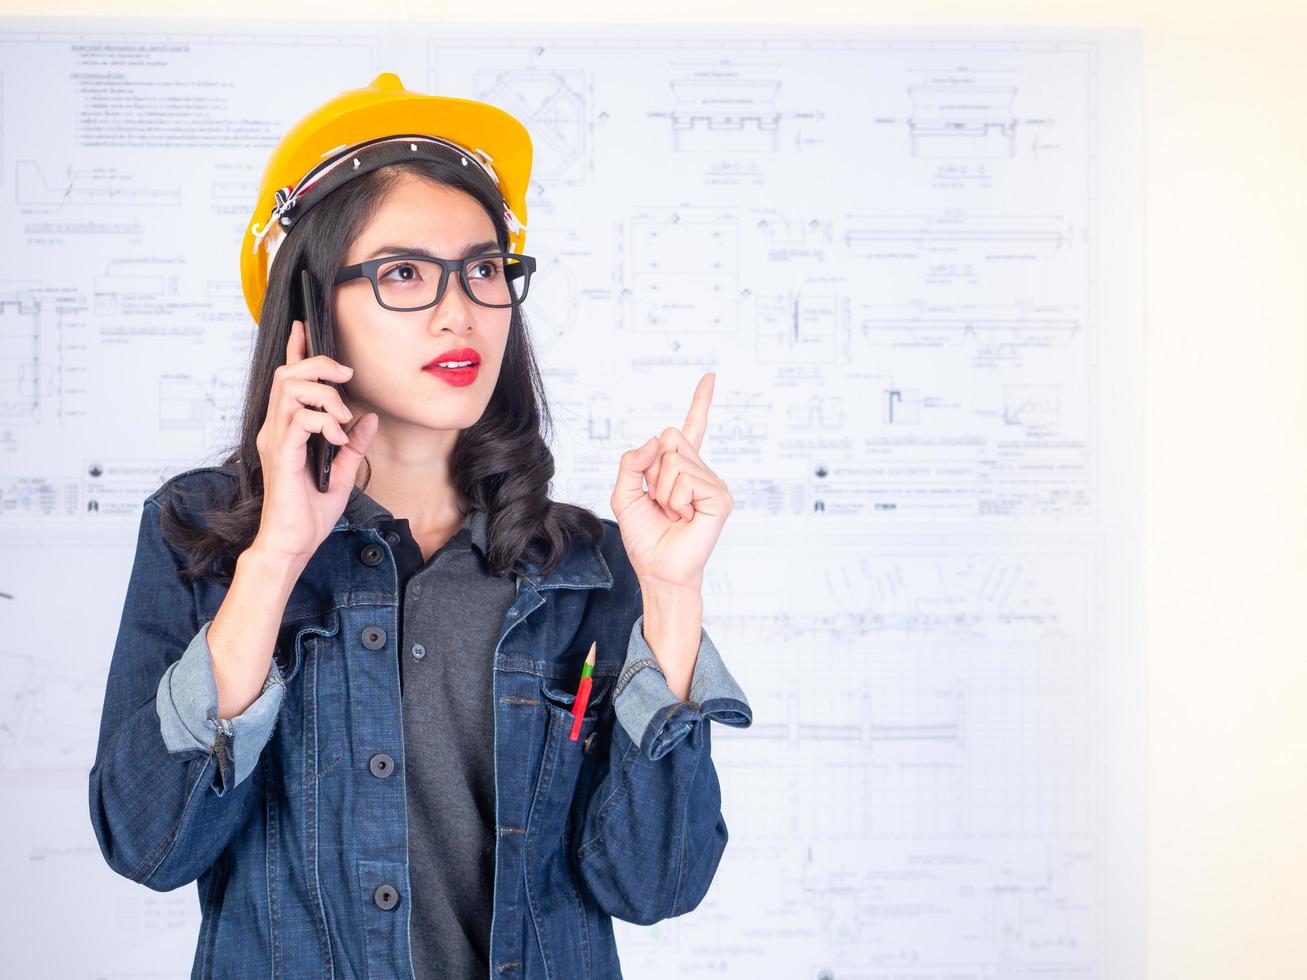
pixel 451 610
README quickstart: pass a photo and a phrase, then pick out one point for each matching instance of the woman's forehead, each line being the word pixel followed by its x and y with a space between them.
pixel 436 219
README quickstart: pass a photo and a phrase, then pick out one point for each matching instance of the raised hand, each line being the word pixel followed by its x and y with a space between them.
pixel 670 529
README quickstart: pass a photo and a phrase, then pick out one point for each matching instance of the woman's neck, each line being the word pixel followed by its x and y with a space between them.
pixel 410 477
pixel 431 513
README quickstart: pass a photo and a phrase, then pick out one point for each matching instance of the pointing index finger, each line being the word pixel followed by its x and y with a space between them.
pixel 696 421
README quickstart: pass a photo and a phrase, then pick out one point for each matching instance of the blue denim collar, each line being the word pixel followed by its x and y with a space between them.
pixel 583 567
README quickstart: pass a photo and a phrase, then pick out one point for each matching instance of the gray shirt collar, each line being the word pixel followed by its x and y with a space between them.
pixel 362 509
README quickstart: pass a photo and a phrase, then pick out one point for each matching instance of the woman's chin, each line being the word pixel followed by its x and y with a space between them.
pixel 437 417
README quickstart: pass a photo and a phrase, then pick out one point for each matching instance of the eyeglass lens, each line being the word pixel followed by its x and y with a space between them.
pixel 491 280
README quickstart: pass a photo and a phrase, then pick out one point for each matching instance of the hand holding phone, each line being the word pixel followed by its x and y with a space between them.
pixel 301 504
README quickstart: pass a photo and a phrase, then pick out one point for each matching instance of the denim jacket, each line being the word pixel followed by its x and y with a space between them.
pixel 292 815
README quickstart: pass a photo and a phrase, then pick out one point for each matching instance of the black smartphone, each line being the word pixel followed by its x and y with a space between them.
pixel 320 451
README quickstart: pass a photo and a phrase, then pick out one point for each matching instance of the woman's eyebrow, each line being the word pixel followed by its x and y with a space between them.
pixel 473 249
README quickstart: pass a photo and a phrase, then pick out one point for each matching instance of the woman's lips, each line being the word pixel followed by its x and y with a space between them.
pixel 458 377
pixel 455 354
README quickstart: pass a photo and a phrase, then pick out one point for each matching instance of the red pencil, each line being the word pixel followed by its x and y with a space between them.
pixel 582 693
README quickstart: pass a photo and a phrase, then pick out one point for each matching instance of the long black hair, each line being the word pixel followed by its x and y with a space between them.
pixel 501 464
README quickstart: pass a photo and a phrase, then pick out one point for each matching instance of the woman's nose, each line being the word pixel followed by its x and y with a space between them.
pixel 455 309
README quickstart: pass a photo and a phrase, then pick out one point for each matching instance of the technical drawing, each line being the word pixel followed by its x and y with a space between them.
pixel 899 252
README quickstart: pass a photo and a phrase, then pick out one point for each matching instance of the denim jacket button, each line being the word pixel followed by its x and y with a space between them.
pixel 374 638
pixel 588 744
pixel 372 554
pixel 386 896
pixel 381 765
pixel 392 538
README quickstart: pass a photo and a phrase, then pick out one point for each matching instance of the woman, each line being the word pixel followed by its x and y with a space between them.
pixel 349 714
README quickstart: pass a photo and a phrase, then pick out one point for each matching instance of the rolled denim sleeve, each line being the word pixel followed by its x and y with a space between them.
pixel 657 720
pixel 187 703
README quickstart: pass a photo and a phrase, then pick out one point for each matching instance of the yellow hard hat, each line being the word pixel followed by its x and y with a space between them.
pixel 364 128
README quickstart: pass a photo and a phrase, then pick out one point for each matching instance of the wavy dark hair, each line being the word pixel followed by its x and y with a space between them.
pixel 501 464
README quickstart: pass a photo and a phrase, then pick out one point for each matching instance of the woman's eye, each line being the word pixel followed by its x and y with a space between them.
pixel 402 265
pixel 485 270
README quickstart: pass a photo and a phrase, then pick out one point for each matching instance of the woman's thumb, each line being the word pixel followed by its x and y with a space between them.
pixel 630 473
pixel 350 455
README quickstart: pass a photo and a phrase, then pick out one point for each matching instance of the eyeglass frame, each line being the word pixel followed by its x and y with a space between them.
pixel 368 270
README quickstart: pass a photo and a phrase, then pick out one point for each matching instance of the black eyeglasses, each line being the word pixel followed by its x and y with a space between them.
pixel 417 282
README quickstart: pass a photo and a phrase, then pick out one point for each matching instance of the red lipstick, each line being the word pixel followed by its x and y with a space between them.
pixel 457 370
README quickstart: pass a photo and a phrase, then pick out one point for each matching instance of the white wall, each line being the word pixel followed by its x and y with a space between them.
pixel 1226 346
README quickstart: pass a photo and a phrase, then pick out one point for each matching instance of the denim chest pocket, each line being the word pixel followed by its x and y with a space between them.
pixel 556 694
pixel 302 746
pixel 562 759
pixel 295 640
